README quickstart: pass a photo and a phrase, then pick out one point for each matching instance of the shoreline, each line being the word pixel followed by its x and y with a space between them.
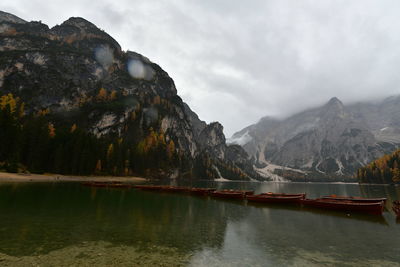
pixel 21 177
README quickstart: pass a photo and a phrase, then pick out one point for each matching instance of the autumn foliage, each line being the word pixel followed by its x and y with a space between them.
pixel 383 170
pixel 41 142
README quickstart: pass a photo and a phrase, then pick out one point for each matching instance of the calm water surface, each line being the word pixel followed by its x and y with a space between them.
pixel 67 223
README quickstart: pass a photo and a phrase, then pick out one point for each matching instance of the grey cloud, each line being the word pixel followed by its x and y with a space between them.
pixel 237 61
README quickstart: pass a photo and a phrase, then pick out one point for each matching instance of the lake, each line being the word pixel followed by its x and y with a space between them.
pixel 64 224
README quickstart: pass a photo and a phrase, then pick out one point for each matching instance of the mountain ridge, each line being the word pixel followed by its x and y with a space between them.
pixel 75 76
pixel 330 140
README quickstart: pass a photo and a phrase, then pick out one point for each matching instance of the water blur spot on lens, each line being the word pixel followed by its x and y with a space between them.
pixel 150 115
pixel 104 55
pixel 138 70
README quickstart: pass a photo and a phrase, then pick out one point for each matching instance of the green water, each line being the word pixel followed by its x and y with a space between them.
pixel 59 224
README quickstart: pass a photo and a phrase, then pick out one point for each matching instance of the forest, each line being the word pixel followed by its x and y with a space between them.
pixel 383 170
pixel 43 142
pixel 40 143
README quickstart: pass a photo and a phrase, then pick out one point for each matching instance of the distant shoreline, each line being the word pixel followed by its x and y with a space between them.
pixel 21 177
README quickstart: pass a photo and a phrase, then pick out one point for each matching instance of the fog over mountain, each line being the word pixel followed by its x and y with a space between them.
pixel 236 61
pixel 330 140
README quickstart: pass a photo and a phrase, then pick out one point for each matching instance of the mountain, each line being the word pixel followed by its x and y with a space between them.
pixel 382 118
pixel 326 143
pixel 383 170
pixel 73 102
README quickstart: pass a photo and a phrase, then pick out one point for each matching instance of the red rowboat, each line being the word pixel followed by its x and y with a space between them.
pixel 222 194
pixel 245 192
pixel 283 194
pixel 107 184
pixel 175 189
pixel 396 208
pixel 201 191
pixel 241 194
pixel 355 199
pixel 148 187
pixel 276 198
pixel 345 205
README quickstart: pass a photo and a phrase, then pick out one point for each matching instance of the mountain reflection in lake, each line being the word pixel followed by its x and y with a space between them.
pixel 54 220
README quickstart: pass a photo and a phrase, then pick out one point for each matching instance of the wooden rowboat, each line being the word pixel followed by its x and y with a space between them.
pixel 345 205
pixel 276 198
pixel 355 199
pixel 107 184
pixel 201 191
pixel 175 189
pixel 396 208
pixel 148 187
pixel 235 194
pixel 245 192
pixel 283 194
pixel 222 194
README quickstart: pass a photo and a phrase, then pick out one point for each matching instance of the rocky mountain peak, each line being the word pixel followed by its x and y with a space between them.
pixel 212 135
pixel 334 103
pixel 334 107
pixel 332 140
pixel 335 100
pixel 76 77
pixel 80 23
pixel 76 29
pixel 7 17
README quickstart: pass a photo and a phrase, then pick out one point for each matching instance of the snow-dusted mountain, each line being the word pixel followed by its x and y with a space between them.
pixel 329 141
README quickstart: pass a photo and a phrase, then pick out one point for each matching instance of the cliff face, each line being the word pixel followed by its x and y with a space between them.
pixel 329 141
pixel 78 74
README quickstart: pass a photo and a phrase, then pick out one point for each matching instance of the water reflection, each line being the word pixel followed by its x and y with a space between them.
pixel 69 214
pixel 39 218
pixel 338 214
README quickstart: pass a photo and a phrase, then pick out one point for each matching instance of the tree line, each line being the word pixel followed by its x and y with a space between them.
pixel 383 170
pixel 40 143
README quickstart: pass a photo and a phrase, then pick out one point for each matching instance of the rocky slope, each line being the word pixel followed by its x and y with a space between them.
pixel 382 118
pixel 76 74
pixel 328 142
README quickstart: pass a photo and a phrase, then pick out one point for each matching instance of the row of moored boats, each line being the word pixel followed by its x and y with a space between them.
pixel 333 202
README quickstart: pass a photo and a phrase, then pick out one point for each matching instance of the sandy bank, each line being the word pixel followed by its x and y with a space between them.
pixel 17 177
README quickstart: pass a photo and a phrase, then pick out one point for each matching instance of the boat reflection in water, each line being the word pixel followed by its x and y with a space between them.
pixel 380 219
pixel 36 219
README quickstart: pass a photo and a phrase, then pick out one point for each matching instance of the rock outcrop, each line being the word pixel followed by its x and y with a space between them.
pixel 329 142
pixel 79 74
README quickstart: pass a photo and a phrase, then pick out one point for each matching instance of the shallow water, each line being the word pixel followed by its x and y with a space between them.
pixel 66 224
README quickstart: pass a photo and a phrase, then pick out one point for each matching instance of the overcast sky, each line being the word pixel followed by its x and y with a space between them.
pixel 235 61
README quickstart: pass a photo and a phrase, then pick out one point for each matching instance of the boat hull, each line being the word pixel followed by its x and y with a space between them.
pixel 346 206
pixel 201 191
pixel 148 187
pixel 228 195
pixel 101 184
pixel 174 189
pixel 355 199
pixel 262 198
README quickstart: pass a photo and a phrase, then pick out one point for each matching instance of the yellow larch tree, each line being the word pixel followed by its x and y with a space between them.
pixel 73 128
pixel 102 95
pixel 113 95
pixel 170 149
pixel 110 150
pixel 52 130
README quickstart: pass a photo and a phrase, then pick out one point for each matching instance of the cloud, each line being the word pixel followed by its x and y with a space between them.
pixel 236 61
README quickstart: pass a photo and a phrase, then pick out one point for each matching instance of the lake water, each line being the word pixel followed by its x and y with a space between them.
pixel 64 224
